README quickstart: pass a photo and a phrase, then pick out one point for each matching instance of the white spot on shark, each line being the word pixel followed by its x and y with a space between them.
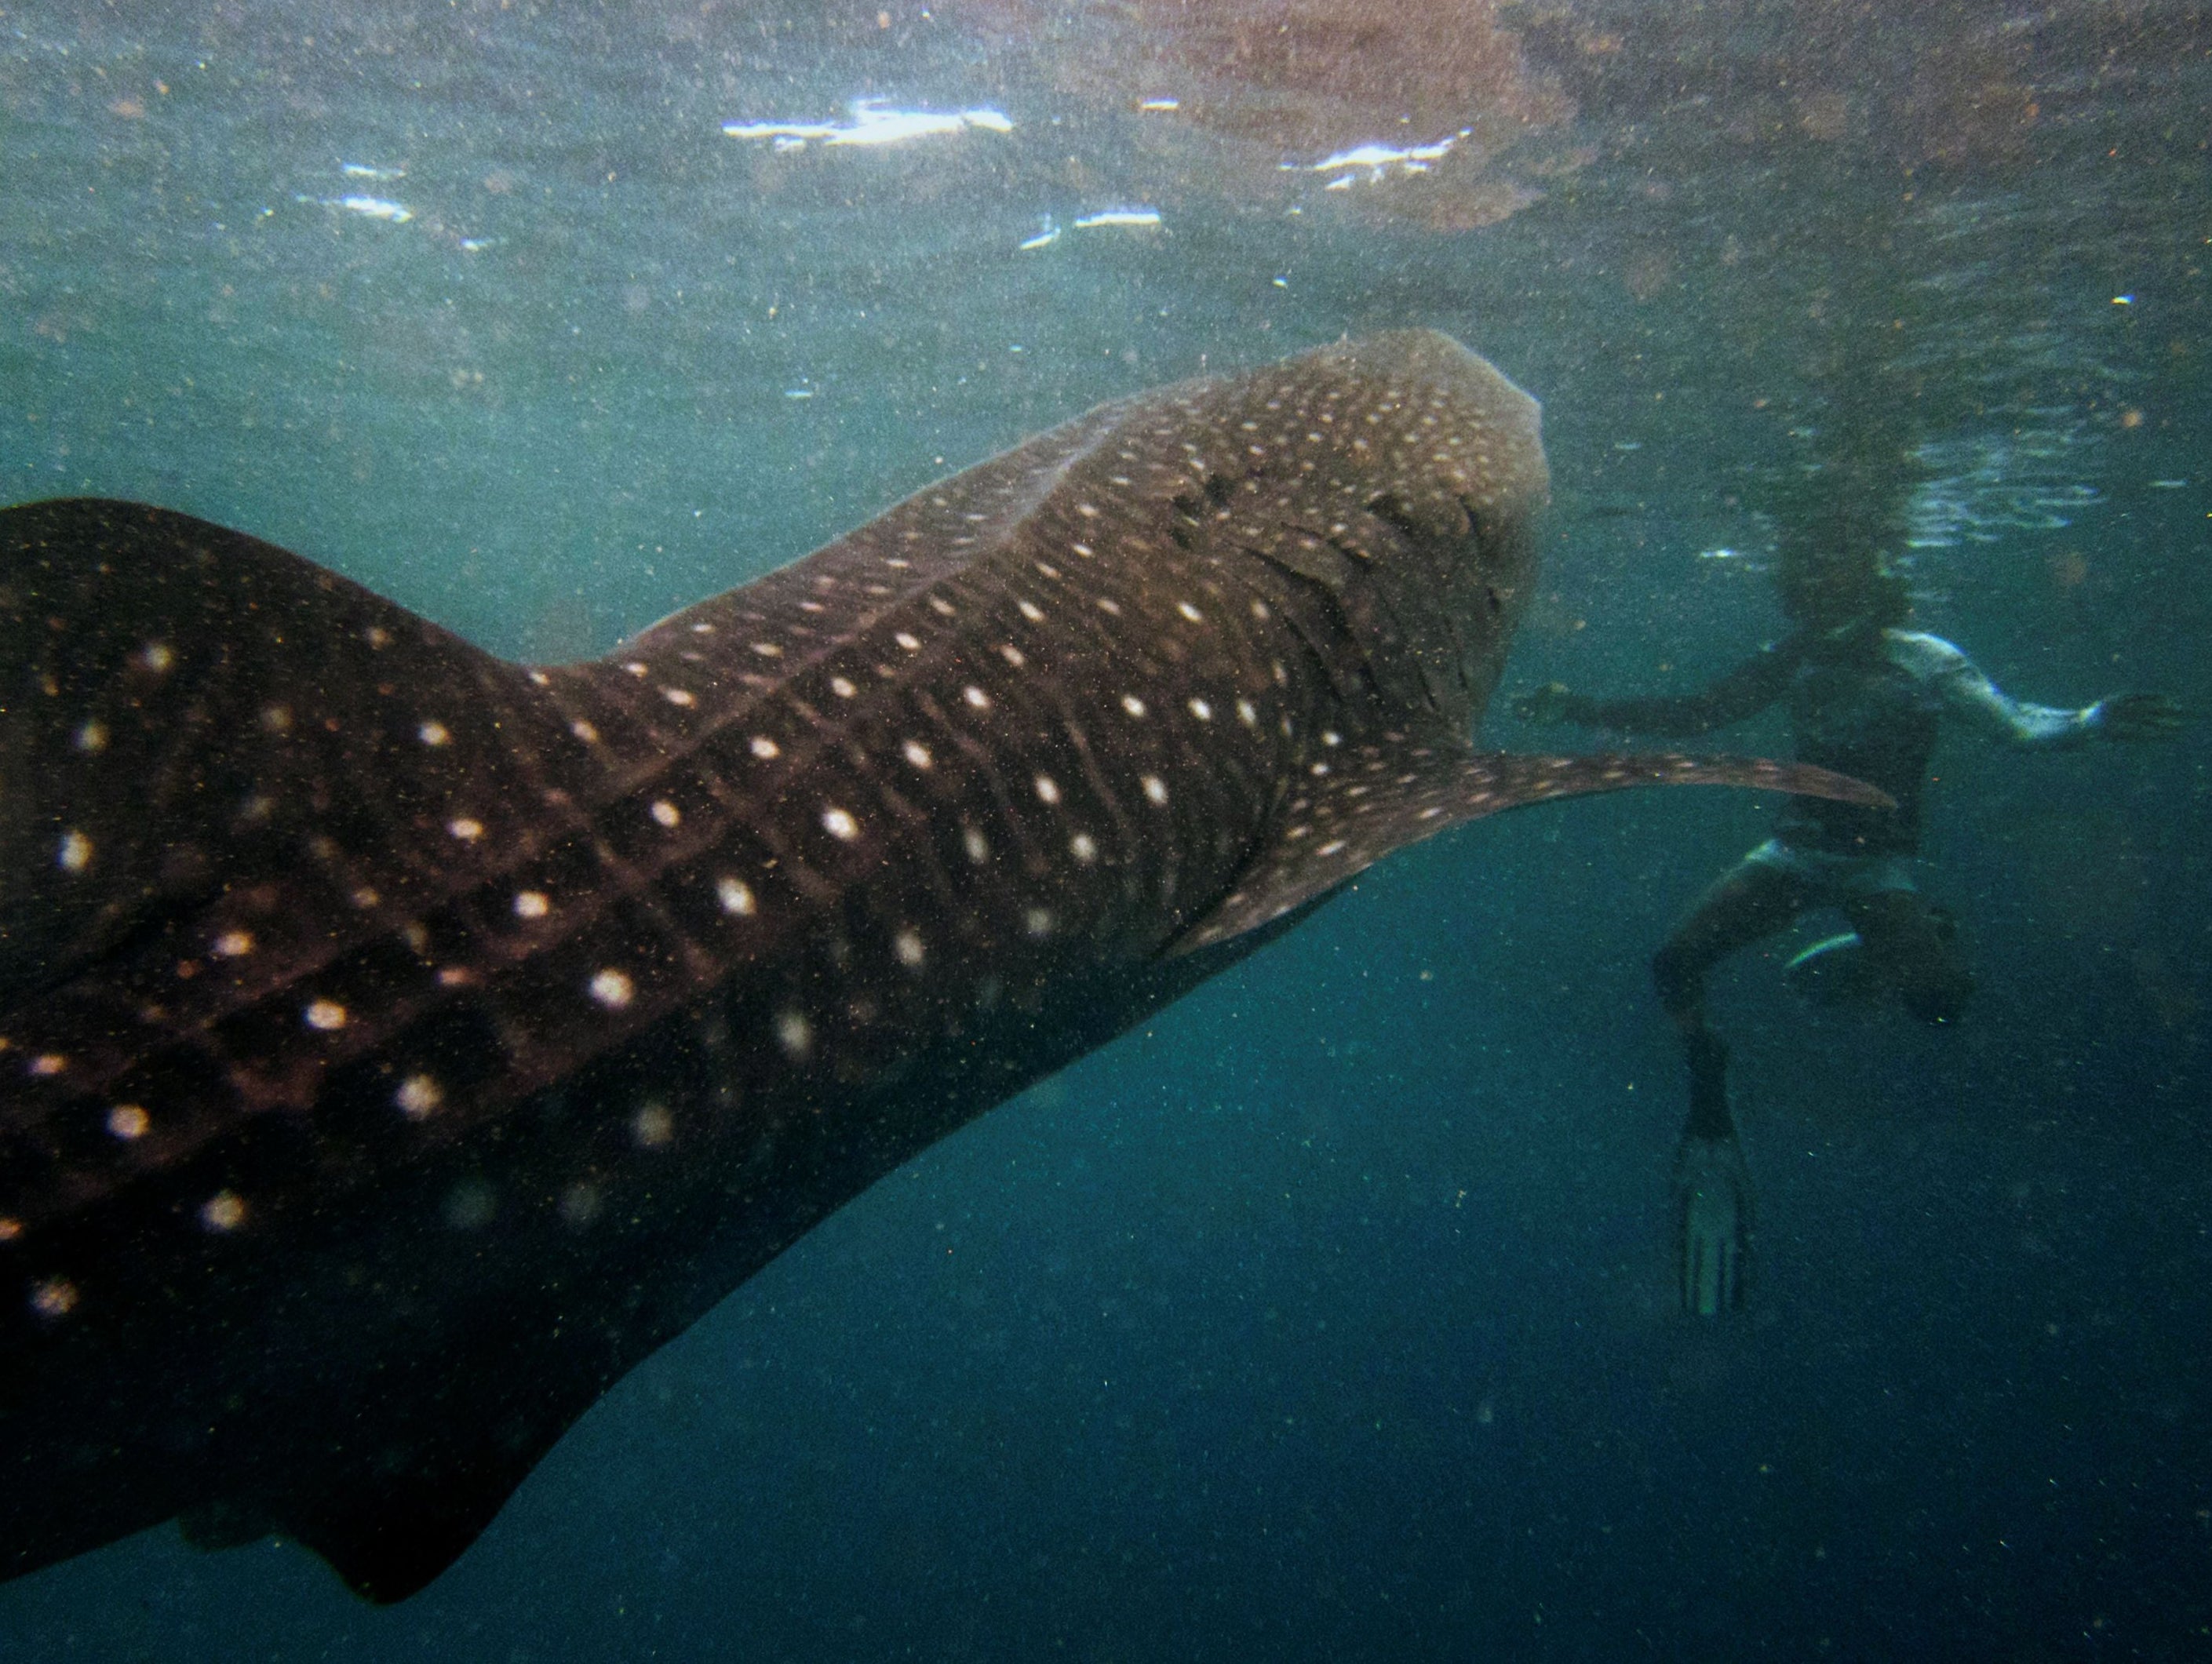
pixel 580 1203
pixel 418 1096
pixel 224 1212
pixel 471 1205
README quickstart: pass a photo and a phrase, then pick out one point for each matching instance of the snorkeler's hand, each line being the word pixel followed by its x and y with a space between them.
pixel 1553 703
pixel 2136 716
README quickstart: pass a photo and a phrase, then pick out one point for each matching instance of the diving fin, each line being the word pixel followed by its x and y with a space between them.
pixel 1712 1190
pixel 1712 1216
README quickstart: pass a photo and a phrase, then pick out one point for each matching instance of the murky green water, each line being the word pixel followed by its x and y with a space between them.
pixel 1331 1319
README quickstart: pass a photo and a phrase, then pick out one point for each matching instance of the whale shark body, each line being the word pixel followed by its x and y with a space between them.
pixel 398 1044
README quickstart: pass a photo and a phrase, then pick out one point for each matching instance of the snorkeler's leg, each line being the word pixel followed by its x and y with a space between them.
pixel 1712 1184
pixel 1913 947
pixel 1751 900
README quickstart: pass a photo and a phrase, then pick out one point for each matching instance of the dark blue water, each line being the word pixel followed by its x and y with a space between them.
pixel 1329 1315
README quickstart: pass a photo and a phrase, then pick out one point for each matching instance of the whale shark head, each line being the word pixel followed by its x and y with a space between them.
pixel 1418 522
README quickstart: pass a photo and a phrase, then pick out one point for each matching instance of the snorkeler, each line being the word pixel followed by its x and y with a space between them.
pixel 1866 696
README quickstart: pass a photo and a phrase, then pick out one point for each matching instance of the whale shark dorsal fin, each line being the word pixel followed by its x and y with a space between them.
pixel 1365 800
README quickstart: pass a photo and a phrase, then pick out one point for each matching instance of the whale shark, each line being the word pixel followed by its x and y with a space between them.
pixel 398 1043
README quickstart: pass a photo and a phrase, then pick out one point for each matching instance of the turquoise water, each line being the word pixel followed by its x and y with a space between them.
pixel 1328 1315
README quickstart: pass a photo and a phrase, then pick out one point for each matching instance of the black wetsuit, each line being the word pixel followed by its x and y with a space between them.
pixel 1869 704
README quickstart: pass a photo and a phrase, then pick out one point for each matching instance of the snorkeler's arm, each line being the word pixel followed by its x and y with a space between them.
pixel 1967 692
pixel 1747 690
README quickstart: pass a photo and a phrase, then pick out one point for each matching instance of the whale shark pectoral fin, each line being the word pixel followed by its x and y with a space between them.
pixel 1375 798
pixel 389 1536
pixel 387 1529
pixel 424 1472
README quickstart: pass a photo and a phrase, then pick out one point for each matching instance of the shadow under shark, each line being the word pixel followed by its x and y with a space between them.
pixel 398 1044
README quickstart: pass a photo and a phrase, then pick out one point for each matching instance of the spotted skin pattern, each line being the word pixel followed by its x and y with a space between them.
pixel 396 1044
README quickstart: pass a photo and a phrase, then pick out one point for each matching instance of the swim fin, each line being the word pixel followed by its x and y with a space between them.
pixel 1712 1189
pixel 1712 1216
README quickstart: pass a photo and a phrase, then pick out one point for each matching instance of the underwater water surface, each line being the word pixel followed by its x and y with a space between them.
pixel 1330 1314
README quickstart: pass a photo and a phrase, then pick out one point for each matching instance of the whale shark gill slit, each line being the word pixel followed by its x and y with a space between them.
pixel 396 1044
